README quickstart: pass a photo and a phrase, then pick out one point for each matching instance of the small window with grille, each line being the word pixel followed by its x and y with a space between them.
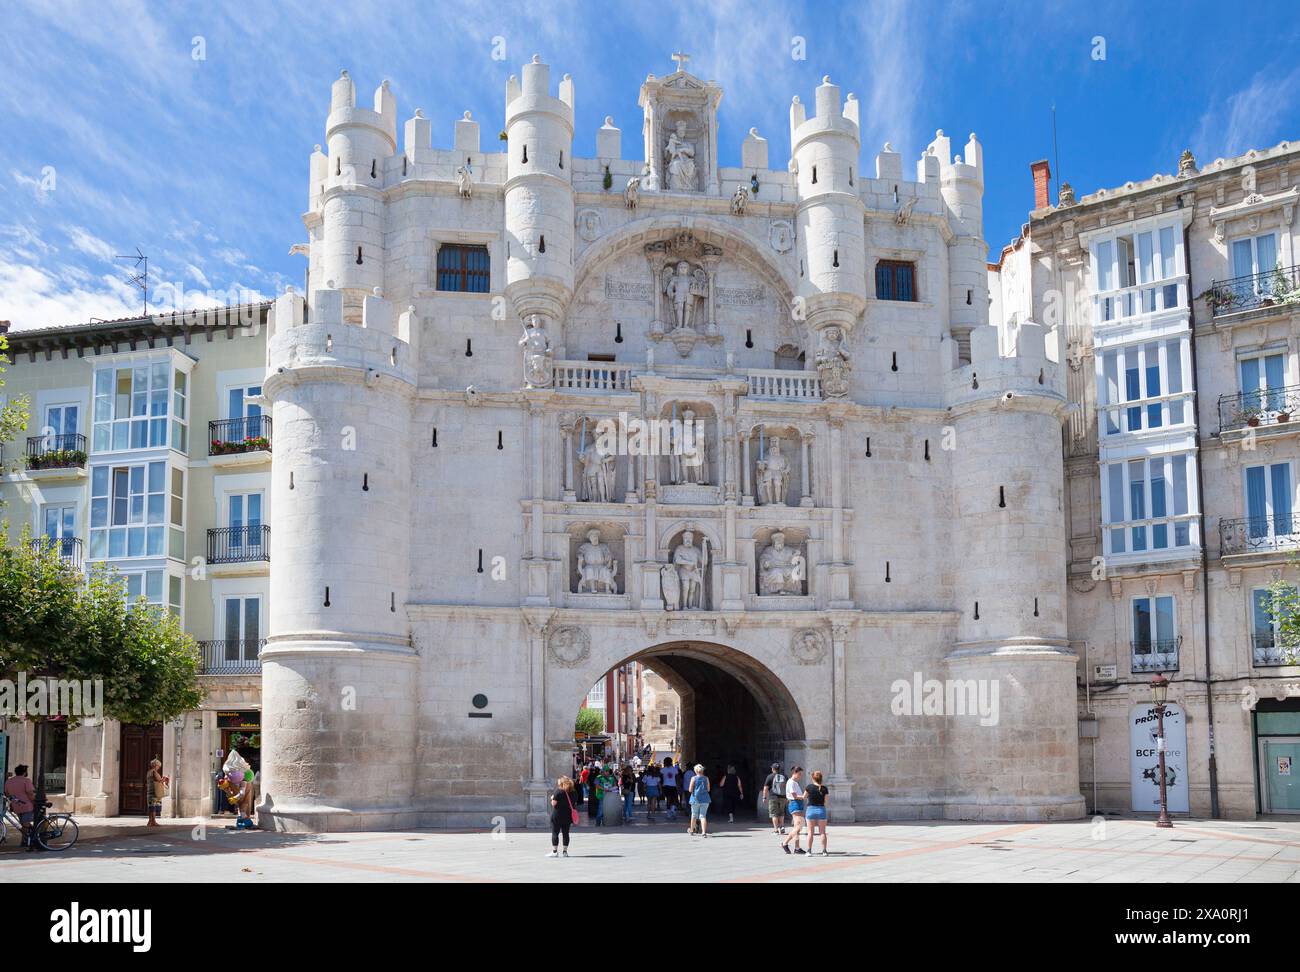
pixel 464 269
pixel 895 280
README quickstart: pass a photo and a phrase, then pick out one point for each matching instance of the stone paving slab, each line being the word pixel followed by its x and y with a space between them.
pixel 1121 850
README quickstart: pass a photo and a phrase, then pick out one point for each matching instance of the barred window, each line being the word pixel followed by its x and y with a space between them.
pixel 895 280
pixel 464 269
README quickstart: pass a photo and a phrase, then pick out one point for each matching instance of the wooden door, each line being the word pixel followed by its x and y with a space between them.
pixel 140 744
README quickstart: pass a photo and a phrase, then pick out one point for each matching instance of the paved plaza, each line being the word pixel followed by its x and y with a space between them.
pixel 1113 850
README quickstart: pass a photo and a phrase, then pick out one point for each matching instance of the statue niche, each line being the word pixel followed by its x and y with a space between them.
pixel 684 269
pixel 679 155
pixel 597 568
pixel 782 570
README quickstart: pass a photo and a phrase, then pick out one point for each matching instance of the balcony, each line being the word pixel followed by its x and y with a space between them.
pixel 598 376
pixel 1156 656
pixel 228 657
pixel 1258 535
pixel 239 544
pixel 240 436
pixel 1266 652
pixel 68 548
pixel 1272 288
pixel 1259 409
pixel 56 456
pixel 785 385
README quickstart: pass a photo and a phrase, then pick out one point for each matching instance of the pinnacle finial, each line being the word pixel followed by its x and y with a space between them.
pixel 826 79
pixel 537 59
pixel 467 115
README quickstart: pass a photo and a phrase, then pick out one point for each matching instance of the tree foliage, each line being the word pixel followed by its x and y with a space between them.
pixel 590 721
pixel 55 623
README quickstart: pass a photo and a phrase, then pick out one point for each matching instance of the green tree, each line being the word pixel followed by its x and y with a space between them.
pixel 590 721
pixel 56 624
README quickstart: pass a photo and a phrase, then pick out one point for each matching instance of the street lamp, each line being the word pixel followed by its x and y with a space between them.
pixel 1160 692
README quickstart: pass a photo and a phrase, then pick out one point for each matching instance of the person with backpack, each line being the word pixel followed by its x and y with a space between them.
pixel 698 789
pixel 774 797
pixel 563 815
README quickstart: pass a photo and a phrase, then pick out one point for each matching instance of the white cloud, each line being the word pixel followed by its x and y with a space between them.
pixel 89 244
pixel 1249 117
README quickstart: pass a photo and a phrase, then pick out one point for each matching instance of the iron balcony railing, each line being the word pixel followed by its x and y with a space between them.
pixel 239 544
pixel 1156 656
pixel 56 451
pixel 68 548
pixel 1266 406
pixel 1280 285
pixel 232 657
pixel 249 434
pixel 1268 652
pixel 1259 534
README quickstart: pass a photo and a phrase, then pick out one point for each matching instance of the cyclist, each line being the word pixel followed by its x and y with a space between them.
pixel 21 794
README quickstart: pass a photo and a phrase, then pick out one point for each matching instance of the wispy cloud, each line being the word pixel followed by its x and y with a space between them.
pixel 1252 117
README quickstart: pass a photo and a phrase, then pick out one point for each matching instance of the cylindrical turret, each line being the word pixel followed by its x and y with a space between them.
pixel 830 213
pixel 338 668
pixel 359 141
pixel 961 183
pixel 539 194
pixel 1018 757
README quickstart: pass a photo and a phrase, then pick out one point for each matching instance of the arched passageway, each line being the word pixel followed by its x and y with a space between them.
pixel 734 710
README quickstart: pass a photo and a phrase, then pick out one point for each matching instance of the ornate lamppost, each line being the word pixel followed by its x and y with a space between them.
pixel 1159 692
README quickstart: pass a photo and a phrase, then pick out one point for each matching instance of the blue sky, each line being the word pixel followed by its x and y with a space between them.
pixel 113 135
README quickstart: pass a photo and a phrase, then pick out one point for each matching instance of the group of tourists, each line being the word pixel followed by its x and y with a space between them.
pixel 681 788
pixel 806 805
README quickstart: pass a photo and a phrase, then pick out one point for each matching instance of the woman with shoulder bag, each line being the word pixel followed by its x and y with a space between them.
pixel 563 815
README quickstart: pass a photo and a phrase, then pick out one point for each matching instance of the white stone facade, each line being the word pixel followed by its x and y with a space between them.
pixel 1176 305
pixel 430 640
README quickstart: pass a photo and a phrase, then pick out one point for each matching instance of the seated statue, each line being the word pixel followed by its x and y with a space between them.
pixel 781 569
pixel 596 566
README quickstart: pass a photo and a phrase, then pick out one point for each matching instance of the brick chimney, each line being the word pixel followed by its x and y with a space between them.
pixel 4 327
pixel 1042 180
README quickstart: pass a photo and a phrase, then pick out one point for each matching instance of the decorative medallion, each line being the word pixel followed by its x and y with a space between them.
pixel 808 645
pixel 570 646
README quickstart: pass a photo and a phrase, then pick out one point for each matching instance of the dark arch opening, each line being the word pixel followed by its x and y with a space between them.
pixel 733 711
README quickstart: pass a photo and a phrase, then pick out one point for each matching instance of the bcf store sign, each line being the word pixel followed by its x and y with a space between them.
pixel 1144 756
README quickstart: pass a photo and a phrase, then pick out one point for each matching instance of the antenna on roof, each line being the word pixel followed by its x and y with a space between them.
pixel 1056 155
pixel 140 276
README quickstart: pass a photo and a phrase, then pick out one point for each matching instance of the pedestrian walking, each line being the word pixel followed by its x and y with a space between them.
pixel 606 789
pixel 774 797
pixel 653 787
pixel 700 799
pixel 816 812
pixel 732 790
pixel 628 786
pixel 794 794
pixel 593 801
pixel 670 787
pixel 563 815
pixel 684 785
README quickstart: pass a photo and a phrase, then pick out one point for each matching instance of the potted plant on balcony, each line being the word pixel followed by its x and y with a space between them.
pixel 57 459
pixel 1218 298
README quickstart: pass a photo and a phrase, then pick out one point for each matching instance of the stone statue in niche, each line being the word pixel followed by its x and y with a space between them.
pixel 773 475
pixel 685 287
pixel 781 569
pixel 687 460
pixel 682 581
pixel 680 155
pixel 597 475
pixel 597 567
pixel 632 193
pixel 465 180
pixel 538 356
pixel 833 363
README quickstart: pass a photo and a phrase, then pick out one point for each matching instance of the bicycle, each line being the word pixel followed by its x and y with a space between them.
pixel 54 832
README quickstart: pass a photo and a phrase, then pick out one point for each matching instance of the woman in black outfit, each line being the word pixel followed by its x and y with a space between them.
pixel 733 792
pixel 562 814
